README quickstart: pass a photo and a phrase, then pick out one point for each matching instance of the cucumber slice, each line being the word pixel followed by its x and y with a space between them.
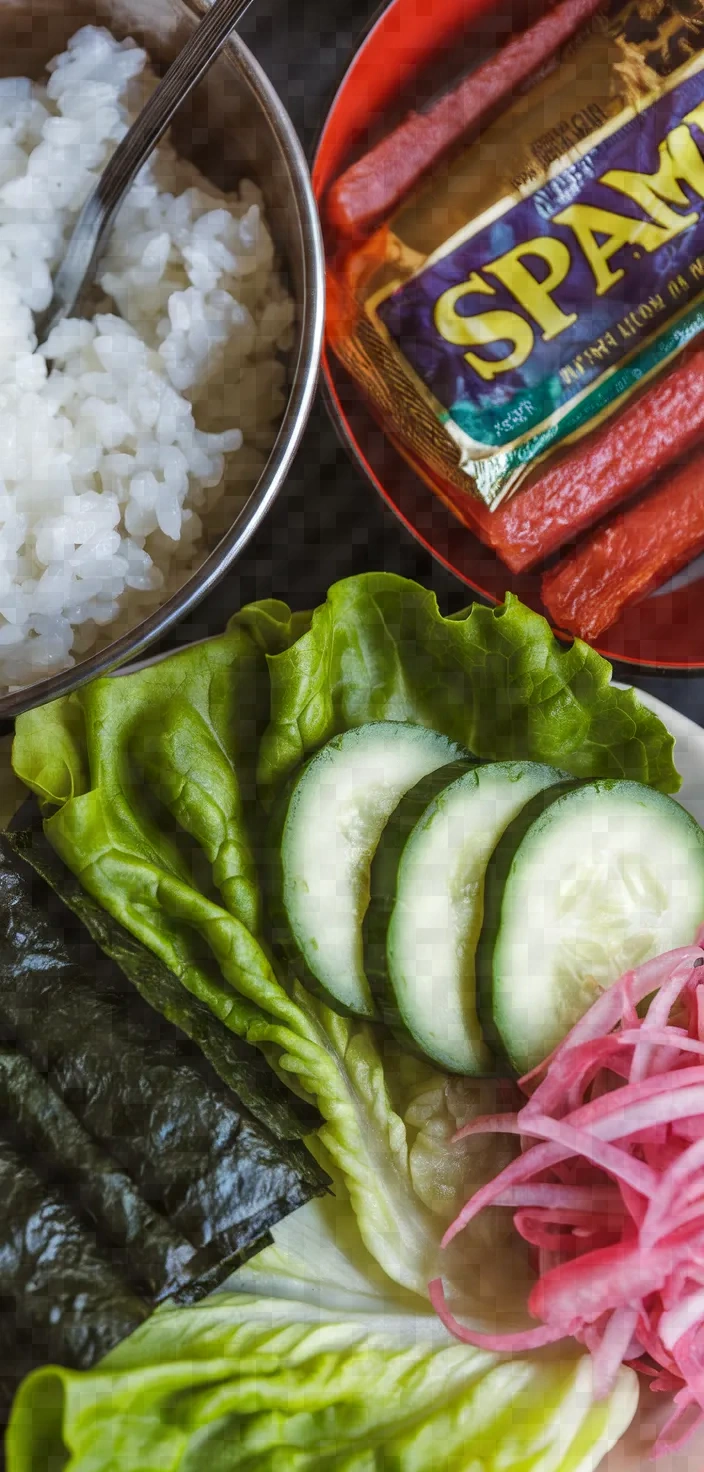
pixel 582 888
pixel 383 880
pixel 432 881
pixel 335 815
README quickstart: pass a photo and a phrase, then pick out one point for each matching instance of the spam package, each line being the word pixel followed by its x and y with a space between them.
pixel 518 278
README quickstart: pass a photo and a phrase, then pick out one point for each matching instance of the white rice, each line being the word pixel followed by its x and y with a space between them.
pixel 110 464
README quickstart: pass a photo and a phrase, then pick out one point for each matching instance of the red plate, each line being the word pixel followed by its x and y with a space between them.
pixel 667 631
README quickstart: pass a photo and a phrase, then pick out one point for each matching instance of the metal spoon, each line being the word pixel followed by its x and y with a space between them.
pixel 88 240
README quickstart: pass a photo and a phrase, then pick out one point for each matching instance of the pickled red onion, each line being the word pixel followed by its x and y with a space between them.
pixel 609 1188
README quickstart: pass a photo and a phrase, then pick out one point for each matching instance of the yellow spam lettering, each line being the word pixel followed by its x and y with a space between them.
pixel 530 293
pixel 680 163
pixel 483 330
pixel 599 233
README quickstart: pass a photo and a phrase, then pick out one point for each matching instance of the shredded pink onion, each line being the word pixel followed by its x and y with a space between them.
pixel 609 1188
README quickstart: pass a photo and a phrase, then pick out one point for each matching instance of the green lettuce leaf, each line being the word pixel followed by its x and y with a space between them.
pixel 149 785
pixel 152 865
pixel 401 1178
pixel 51 756
pixel 243 1069
pixel 311 1362
pixel 156 823
pixel 152 819
pixel 494 679
pixel 180 741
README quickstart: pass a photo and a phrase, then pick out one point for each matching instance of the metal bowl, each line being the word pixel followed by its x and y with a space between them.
pixel 233 125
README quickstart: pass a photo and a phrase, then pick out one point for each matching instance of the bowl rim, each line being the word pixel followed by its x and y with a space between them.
pixel 304 379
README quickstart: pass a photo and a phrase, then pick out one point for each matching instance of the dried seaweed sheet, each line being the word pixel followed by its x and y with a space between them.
pixel 128 1171
pixel 61 1297
pixel 241 1067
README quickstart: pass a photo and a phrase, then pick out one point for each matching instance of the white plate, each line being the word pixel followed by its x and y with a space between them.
pixel 632 1452
pixel 689 754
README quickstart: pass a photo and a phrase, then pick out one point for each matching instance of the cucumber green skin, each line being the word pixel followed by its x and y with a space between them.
pixel 383 882
pixel 283 938
pixel 494 885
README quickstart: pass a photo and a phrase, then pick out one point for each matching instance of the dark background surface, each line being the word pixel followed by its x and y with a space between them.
pixel 328 522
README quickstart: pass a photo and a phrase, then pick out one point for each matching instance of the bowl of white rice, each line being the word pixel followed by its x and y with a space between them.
pixel 142 445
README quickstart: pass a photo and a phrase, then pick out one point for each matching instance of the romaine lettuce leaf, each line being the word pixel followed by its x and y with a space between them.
pixel 311 1362
pixel 494 679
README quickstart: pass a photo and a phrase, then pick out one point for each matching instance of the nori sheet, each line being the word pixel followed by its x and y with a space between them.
pixel 61 1299
pixel 241 1067
pixel 129 1172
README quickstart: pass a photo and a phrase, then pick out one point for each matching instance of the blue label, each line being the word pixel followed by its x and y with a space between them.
pixel 526 313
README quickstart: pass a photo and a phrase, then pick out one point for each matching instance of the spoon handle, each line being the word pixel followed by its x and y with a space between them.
pixel 95 218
